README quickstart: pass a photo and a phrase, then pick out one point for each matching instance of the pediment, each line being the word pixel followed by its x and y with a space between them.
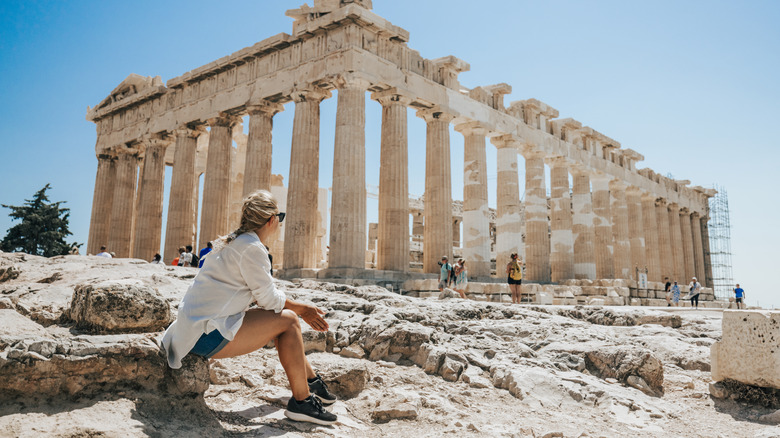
pixel 132 85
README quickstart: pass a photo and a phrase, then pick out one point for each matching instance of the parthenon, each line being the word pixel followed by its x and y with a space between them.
pixel 612 222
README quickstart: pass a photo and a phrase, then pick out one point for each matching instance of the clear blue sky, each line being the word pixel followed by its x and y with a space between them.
pixel 691 85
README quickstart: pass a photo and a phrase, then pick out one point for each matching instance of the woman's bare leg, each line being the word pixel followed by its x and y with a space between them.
pixel 258 329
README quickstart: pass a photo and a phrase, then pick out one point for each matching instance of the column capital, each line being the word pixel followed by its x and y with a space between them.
pixel 684 211
pixel 189 130
pixel 434 114
pixel 558 161
pixel 106 155
pixel 617 184
pixel 634 190
pixel 673 206
pixel 264 107
pixel 472 128
pixel 391 96
pixel 507 141
pixel 647 196
pixel 531 151
pixel 661 202
pixel 351 80
pixel 695 214
pixel 309 94
pixel 227 120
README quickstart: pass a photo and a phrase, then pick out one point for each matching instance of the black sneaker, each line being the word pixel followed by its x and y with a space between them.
pixel 310 410
pixel 320 389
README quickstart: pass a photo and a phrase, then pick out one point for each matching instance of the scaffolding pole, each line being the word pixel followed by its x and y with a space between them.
pixel 720 244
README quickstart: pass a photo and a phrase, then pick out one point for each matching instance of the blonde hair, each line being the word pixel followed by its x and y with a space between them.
pixel 258 208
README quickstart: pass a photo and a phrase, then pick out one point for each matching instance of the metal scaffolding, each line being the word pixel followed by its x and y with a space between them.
pixel 720 244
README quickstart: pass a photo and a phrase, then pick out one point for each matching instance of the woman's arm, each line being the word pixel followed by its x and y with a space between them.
pixel 311 314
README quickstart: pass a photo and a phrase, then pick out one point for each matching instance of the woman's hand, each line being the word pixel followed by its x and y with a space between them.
pixel 310 314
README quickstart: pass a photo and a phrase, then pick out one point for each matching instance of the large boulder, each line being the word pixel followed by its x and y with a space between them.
pixel 119 306
pixel 633 366
pixel 748 349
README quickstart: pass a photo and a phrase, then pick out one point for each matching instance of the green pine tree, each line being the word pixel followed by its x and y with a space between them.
pixel 43 228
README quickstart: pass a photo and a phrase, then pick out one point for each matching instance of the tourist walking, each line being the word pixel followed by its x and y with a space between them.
pixel 103 253
pixel 185 257
pixel 215 321
pixel 694 289
pixel 175 261
pixel 668 291
pixel 461 278
pixel 675 294
pixel 203 253
pixel 739 295
pixel 444 275
pixel 514 272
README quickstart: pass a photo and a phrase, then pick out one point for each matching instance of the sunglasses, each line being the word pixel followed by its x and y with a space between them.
pixel 281 216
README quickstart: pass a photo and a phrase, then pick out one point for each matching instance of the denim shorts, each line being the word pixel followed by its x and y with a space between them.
pixel 209 344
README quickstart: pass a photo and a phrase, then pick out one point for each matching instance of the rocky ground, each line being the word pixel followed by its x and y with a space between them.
pixel 78 358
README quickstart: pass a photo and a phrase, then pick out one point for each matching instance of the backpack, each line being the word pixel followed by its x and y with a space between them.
pixel 516 272
pixel 195 260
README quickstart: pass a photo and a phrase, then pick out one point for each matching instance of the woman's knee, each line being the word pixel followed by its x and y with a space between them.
pixel 291 318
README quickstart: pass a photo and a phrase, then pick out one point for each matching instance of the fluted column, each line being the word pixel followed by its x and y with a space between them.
pixel 698 247
pixel 348 215
pixel 537 247
pixel 602 228
pixel 301 227
pixel 687 244
pixel 509 226
pixel 148 222
pixel 259 150
pixel 216 183
pixel 437 240
pixel 102 200
pixel 652 252
pixel 678 257
pixel 582 226
pixel 123 205
pixel 622 243
pixel 664 239
pixel 636 232
pixel 393 228
pixel 561 238
pixel 705 237
pixel 476 221
pixel 183 194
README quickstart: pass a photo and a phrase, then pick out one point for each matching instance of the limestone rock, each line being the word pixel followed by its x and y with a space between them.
pixel 395 407
pixel 748 349
pixel 346 381
pixel 623 362
pixel 9 272
pixel 127 306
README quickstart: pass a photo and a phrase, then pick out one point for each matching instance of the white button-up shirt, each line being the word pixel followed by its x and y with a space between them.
pixel 220 295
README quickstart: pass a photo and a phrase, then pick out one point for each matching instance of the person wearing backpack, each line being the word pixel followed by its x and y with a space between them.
pixel 444 277
pixel 514 272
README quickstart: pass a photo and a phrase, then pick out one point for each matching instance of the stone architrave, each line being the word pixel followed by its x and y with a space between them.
pixel 437 234
pixel 652 253
pixel 393 226
pixel 102 200
pixel 537 247
pixel 602 228
pixel 476 221
pixel 698 247
pixel 678 257
pixel 183 194
pixel 636 232
pixel 561 238
pixel 348 212
pixel 582 226
pixel 123 205
pixel 705 237
pixel 148 222
pixel 216 183
pixel 665 250
pixel 302 194
pixel 687 245
pixel 509 226
pixel 259 149
pixel 622 243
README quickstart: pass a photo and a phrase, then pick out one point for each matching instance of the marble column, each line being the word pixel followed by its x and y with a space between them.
pixel 561 238
pixel 148 221
pixel 636 232
pixel 301 227
pixel 582 226
pixel 509 226
pixel 678 257
pixel 476 220
pixel 622 243
pixel 652 252
pixel 537 247
pixel 102 200
pixel 664 239
pixel 705 237
pixel 216 183
pixel 393 227
pixel 687 245
pixel 123 205
pixel 348 212
pixel 602 228
pixel 437 236
pixel 698 247
pixel 259 150
pixel 182 199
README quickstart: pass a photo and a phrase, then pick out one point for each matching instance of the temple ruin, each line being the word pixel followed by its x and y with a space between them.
pixel 614 222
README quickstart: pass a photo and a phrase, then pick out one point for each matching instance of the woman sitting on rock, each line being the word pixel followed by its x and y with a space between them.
pixel 215 321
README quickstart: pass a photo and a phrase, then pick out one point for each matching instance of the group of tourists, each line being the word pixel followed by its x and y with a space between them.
pixel 186 257
pixel 673 292
pixel 455 276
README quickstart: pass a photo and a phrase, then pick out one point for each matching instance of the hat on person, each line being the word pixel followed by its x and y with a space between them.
pixel 444 257
pixel 694 278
